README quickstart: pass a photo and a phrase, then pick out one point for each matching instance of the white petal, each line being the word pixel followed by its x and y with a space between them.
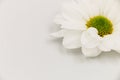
pixel 75 11
pixel 91 52
pixel 66 22
pixel 106 44
pixel 84 7
pixel 94 6
pixel 73 26
pixel 116 42
pixel 113 11
pixel 71 23
pixel 110 42
pixel 106 7
pixel 72 39
pixel 90 38
pixel 73 19
pixel 58 34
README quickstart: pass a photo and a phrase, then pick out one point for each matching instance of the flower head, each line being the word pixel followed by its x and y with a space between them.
pixel 92 25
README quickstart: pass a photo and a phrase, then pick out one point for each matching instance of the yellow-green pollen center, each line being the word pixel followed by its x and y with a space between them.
pixel 102 24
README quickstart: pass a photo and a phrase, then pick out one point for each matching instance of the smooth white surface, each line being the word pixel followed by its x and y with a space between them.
pixel 28 53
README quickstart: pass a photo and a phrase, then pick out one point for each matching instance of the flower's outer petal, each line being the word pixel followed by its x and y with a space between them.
pixel 70 17
pixel 90 38
pixel 106 44
pixel 104 47
pixel 75 11
pixel 58 34
pixel 91 52
pixel 110 42
pixel 84 7
pixel 66 22
pixel 111 10
pixel 73 26
pixel 116 42
pixel 72 39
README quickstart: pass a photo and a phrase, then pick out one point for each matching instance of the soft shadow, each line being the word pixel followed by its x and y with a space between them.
pixel 53 28
pixel 105 57
pixel 76 54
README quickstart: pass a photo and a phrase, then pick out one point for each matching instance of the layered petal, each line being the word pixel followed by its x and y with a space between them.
pixel 72 17
pixel 106 43
pixel 72 39
pixel 76 10
pixel 116 42
pixel 90 38
pixel 67 22
pixel 110 42
pixel 91 52
pixel 58 34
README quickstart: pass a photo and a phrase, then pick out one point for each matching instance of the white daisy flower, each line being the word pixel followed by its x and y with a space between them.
pixel 92 25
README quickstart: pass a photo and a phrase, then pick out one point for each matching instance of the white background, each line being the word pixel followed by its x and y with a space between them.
pixel 28 53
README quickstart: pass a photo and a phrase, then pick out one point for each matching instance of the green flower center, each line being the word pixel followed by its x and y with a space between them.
pixel 102 24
